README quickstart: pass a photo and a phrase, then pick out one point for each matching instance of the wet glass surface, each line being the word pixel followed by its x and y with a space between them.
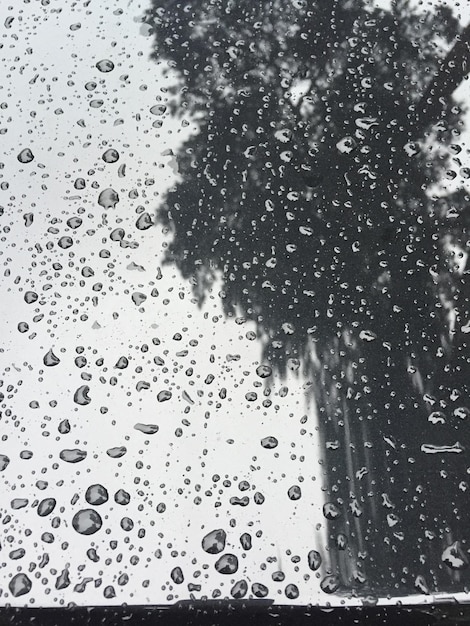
pixel 235 302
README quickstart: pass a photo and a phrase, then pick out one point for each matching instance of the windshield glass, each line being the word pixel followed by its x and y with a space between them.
pixel 235 301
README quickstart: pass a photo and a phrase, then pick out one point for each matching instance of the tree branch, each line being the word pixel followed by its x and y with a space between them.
pixel 453 69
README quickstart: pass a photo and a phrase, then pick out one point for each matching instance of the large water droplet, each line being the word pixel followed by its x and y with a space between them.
pixel 314 560
pixel 25 156
pixel 294 492
pixel 19 585
pixel 46 506
pixel 148 429
pixel 331 511
pixel 239 589
pixel 122 363
pixel 110 156
pixel 264 371
pixel 122 497
pixel 177 575
pixel 291 591
pixel 214 542
pixel 87 522
pixel 108 198
pixel 259 590
pixel 50 359
pixel 245 541
pixel 454 557
pixel 73 456
pixel 117 452
pixel 269 442
pixel 63 580
pixel 96 494
pixel 227 564
pixel 81 395
pixel 329 584
pixel 105 66
pixel 144 221
pixel 164 395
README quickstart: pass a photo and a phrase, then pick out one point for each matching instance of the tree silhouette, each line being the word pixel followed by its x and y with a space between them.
pixel 318 186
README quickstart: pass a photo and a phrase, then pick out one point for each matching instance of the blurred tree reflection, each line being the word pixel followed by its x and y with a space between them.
pixel 322 186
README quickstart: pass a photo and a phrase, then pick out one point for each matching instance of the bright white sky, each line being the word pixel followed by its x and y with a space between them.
pixel 48 55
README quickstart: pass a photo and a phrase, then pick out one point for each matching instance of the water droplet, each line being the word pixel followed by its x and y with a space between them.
pixel 291 591
pixel 19 553
pixel 108 198
pixel 411 149
pixel 105 66
pixel 138 298
pixel 110 156
pixel 462 412
pixel 144 221
pixel 64 427
pixel 87 522
pixel 74 222
pixel 331 511
pixel 73 456
pixel 127 524
pixel 294 492
pixel 117 452
pixel 329 584
pixel 50 359
pixel 454 557
pixel 239 589
pixel 65 242
pixel 25 156
pixel 30 297
pixel 245 541
pixel 314 560
pixel 429 448
pixel 367 335
pixel 63 580
pixel 96 494
pixel 264 371
pixel 81 395
pixel 122 497
pixel 269 442
pixel 148 429
pixel 19 585
pixel 227 564
pixel 164 395
pixel 177 575
pixel 28 219
pixel 259 590
pixel 346 145
pixel 437 417
pixel 19 503
pixel 158 109
pixel 46 506
pixel 421 585
pixel 258 498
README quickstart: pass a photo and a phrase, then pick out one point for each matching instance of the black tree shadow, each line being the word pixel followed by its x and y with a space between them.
pixel 317 186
